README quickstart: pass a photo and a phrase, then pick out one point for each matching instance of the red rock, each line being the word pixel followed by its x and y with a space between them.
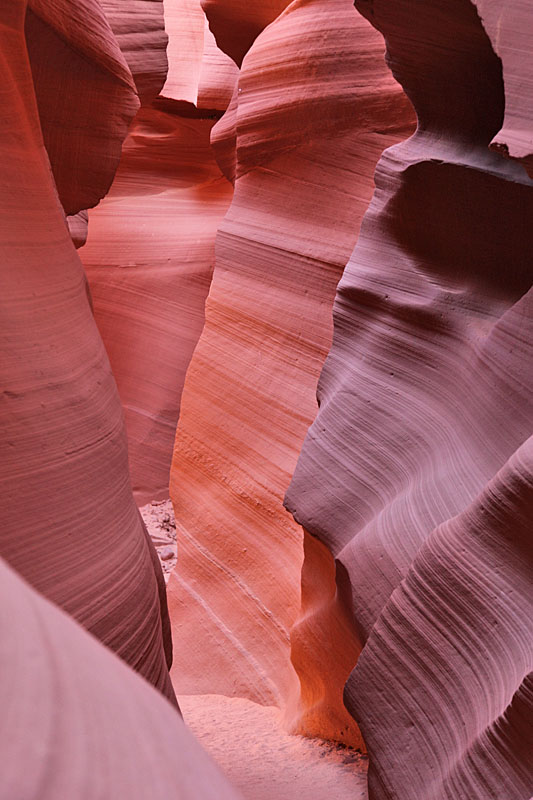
pixel 69 522
pixel 199 73
pixel 306 147
pixel 139 28
pixel 76 722
pixel 71 46
pixel 149 258
pixel 457 634
pixel 424 399
pixel 237 23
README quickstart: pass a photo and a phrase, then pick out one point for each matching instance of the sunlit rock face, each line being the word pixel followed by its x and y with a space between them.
pixel 70 526
pixel 78 723
pixel 313 109
pixel 417 472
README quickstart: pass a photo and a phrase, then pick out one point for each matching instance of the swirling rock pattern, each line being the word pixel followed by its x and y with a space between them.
pixel 307 139
pixel 199 73
pixel 76 722
pixel 149 256
pixel 413 473
pixel 69 522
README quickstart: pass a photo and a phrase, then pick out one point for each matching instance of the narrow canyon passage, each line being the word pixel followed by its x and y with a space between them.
pixel 266 464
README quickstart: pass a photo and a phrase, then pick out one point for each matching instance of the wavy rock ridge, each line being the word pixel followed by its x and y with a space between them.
pixel 416 473
pixel 70 525
pixel 76 722
pixel 399 595
pixel 301 139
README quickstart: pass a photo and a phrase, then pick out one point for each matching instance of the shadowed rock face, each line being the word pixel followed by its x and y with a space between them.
pixel 73 47
pixel 139 29
pixel 417 471
pixel 301 140
pixel 76 722
pixel 69 522
pixel 235 24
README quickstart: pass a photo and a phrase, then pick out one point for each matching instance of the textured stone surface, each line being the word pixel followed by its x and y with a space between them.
pixel 199 73
pixel 71 46
pixel 306 148
pixel 69 522
pixel 150 250
pixel 149 258
pixel 237 23
pixel 508 25
pixel 159 519
pixel 413 473
pixel 76 722
pixel 139 28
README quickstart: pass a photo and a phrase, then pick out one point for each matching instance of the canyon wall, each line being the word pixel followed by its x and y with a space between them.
pixel 69 522
pixel 313 109
pixel 417 472
pixel 150 253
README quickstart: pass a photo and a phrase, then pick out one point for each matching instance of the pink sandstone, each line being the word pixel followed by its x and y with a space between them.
pixel 69 522
pixel 78 723
pixel 417 472
pixel 307 139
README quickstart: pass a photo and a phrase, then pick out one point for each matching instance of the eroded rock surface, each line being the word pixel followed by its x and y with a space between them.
pixel 69 522
pixel 76 722
pixel 301 139
pixel 415 473
pixel 149 259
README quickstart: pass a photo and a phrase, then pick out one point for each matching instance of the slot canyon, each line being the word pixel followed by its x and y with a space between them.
pixel 266 400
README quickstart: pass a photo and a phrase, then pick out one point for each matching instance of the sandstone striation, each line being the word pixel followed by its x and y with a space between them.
pixel 76 722
pixel 508 25
pixel 237 23
pixel 69 522
pixel 71 45
pixel 149 259
pixel 150 252
pixel 139 28
pixel 415 474
pixel 301 138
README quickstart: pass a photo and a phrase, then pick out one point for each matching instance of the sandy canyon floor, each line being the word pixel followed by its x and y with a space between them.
pixel 248 740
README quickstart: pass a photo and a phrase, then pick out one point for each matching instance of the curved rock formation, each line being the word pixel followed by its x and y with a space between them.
pixel 457 632
pixel 76 722
pixel 72 46
pixel 69 522
pixel 424 398
pixel 139 28
pixel 150 252
pixel 307 139
pixel 508 25
pixel 199 73
pixel 149 258
pixel 236 24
